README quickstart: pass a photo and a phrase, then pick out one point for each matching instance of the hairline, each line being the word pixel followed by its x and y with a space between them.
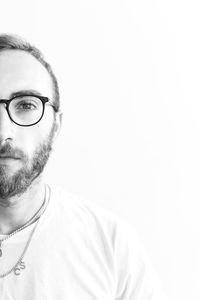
pixel 14 42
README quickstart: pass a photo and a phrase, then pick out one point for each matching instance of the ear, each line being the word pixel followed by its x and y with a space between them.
pixel 58 124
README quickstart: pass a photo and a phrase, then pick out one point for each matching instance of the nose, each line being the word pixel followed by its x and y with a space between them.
pixel 6 124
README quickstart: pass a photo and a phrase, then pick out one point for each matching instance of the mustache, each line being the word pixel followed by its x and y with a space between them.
pixel 7 150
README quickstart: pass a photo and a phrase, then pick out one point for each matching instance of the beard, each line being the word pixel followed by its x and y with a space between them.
pixel 20 181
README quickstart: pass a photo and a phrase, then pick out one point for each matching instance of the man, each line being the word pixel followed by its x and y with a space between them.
pixel 53 245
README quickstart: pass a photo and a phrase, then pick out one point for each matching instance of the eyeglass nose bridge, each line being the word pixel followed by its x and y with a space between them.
pixel 7 103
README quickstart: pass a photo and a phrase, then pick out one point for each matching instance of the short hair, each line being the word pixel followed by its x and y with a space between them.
pixel 15 42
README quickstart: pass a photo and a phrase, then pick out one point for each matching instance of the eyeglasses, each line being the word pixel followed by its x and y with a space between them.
pixel 26 110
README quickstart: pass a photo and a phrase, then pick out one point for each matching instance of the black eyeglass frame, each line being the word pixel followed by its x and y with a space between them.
pixel 42 98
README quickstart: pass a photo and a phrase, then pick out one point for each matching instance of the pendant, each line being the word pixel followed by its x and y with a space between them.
pixel 21 266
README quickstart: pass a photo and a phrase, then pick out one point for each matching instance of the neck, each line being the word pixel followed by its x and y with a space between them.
pixel 16 211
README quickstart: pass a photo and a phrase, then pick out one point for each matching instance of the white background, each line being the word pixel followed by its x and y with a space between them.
pixel 129 74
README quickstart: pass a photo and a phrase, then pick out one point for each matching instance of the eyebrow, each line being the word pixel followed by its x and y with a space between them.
pixel 25 92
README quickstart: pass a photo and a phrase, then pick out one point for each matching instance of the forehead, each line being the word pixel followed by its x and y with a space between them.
pixel 20 70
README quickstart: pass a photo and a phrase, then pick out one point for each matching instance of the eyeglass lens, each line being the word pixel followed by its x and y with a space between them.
pixel 26 110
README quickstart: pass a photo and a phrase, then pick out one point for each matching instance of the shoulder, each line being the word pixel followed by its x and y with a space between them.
pixel 77 207
pixel 83 213
pixel 77 204
pixel 114 241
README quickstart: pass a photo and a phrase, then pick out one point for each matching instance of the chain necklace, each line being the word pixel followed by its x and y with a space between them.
pixel 22 227
pixel 20 264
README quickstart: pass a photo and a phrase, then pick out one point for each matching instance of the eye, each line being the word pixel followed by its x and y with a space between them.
pixel 26 105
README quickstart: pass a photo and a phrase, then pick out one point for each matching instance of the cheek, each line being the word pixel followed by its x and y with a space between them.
pixel 42 129
pixel 29 142
pixel 30 138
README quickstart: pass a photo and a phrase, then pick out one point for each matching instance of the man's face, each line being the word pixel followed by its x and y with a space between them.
pixel 24 151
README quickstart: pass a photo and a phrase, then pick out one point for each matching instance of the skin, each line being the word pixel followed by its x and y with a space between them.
pixel 20 71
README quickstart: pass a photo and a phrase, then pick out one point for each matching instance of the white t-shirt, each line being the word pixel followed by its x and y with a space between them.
pixel 79 251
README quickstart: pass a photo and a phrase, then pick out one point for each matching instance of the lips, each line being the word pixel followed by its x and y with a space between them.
pixel 8 157
pixel 9 152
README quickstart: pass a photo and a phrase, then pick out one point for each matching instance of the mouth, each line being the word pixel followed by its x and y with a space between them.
pixel 3 157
